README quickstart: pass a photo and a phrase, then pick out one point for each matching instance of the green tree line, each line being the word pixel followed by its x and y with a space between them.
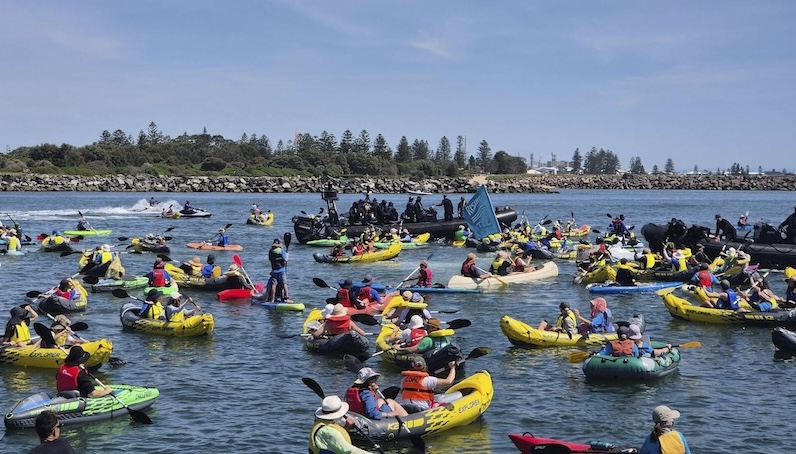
pixel 153 152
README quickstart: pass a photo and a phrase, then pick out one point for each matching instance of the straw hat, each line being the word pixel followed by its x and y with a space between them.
pixel 106 248
pixel 471 255
pixel 407 295
pixel 338 310
pixel 196 261
pixel 433 323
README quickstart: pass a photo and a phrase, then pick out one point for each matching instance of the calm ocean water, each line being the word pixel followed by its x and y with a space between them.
pixel 241 391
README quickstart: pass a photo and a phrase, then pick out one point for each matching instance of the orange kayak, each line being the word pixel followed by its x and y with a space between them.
pixel 213 247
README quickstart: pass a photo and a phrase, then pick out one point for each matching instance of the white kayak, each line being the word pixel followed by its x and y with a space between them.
pixel 546 270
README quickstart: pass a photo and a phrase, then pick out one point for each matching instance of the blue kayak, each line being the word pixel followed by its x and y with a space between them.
pixel 639 288
pixel 381 288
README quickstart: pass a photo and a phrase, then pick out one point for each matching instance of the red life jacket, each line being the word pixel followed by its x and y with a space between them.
pixel 158 278
pixel 416 336
pixel 63 293
pixel 66 378
pixel 358 250
pixel 339 324
pixel 558 234
pixel 425 278
pixel 468 267
pixel 518 264
pixel 704 278
pixel 412 386
pixel 354 401
pixel 364 294
pixel 344 297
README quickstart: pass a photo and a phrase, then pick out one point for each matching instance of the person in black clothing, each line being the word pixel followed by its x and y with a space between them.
pixel 49 430
pixel 447 207
pixel 420 211
pixel 409 213
pixel 789 227
pixel 391 213
pixel 460 207
pixel 725 228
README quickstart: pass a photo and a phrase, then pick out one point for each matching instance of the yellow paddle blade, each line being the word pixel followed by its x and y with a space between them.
pixel 666 291
pixel 500 280
pixel 578 357
pixel 692 344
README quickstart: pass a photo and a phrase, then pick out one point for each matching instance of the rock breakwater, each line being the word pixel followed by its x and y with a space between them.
pixel 501 184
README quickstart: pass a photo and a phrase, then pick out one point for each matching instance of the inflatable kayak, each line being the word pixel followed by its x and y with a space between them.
pixel 437 288
pixel 350 343
pixel 784 339
pixel 632 368
pixel 378 256
pixel 328 242
pixel 58 305
pixel 596 276
pixel 126 283
pixel 197 325
pixel 166 291
pixel 171 215
pixel 546 270
pixel 52 358
pixel 137 245
pixel 469 399
pixel 94 232
pixel 210 284
pixel 78 410
pixel 685 310
pixel 523 335
pixel 263 219
pixel 437 359
pixel 638 288
pixel 214 247
pixel 527 443
pixel 194 213
pixel 420 241
pixel 49 244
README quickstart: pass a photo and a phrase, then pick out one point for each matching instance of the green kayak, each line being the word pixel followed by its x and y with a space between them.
pixel 75 410
pixel 87 232
pixel 328 242
pixel 126 283
pixel 166 291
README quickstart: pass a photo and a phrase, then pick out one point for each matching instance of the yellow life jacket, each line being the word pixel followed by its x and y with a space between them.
pixel 21 333
pixel 671 443
pixel 106 257
pixel 319 424
pixel 154 311
pixel 58 239
pixel 216 271
pixel 178 316
pixel 570 315
pixel 14 244
pixel 649 260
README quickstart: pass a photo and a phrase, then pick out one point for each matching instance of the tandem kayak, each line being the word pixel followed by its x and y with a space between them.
pixel 631 368
pixel 77 410
pixel 214 247
pixel 436 359
pixel 94 232
pixel 57 305
pixel 546 270
pixel 420 241
pixel 523 335
pixel 378 256
pixel 436 288
pixel 527 443
pixel 52 358
pixel 465 401
pixel 638 288
pixel 196 325
pixel 126 283
pixel 685 310
pixel 263 219
pixel 350 343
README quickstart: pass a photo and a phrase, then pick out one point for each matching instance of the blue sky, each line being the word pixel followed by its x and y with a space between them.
pixel 705 83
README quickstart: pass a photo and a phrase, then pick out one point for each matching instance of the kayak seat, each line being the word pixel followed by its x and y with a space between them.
pixel 69 394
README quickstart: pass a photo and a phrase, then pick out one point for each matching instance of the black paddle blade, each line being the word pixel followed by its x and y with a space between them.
pixel 91 279
pixel 287 238
pixel 365 319
pixel 169 229
pixel 392 392
pixel 45 333
pixel 79 326
pixel 116 362
pixel 65 253
pixel 122 238
pixel 320 282
pixel 33 294
pixel 547 222
pixel 479 352
pixel 120 293
pixel 459 323
pixel 352 363
pixel 417 442
pixel 138 416
pixel 313 385
pixel 609 215
pixel 165 258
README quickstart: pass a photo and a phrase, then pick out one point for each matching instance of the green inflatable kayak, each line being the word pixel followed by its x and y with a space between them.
pixel 328 242
pixel 632 368
pixel 126 283
pixel 94 232
pixel 76 410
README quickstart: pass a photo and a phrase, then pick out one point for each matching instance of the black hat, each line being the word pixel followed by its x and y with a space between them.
pixel 154 295
pixel 347 283
pixel 76 356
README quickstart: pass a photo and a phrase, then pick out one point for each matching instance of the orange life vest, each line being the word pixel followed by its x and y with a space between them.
pixel 339 324
pixel 412 386
pixel 622 347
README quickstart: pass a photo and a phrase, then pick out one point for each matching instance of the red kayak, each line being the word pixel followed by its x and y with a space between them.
pixel 529 444
pixel 240 293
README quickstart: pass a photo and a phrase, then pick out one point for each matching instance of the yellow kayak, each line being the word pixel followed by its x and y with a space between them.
pixel 378 256
pixel 524 335
pixel 596 276
pixel 196 325
pixel 547 270
pixel 683 309
pixel 52 358
pixel 262 219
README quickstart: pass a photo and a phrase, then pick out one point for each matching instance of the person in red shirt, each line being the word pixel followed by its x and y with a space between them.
pixel 72 375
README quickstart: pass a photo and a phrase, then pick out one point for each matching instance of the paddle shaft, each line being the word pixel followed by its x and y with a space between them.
pixel 135 414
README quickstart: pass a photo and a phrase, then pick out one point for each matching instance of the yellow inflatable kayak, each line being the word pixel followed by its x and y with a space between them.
pixel 596 276
pixel 686 310
pixel 378 256
pixel 197 325
pixel 52 358
pixel 521 334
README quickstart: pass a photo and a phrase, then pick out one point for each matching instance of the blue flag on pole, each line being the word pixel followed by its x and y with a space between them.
pixel 480 215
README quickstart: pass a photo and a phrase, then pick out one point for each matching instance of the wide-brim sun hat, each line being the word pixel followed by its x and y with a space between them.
pixel 662 413
pixel 76 356
pixel 365 374
pixel 415 322
pixel 339 310
pixel 332 407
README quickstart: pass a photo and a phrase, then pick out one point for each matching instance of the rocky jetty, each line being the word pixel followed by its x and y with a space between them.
pixel 500 184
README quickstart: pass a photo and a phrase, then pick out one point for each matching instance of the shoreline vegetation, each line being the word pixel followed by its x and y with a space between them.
pixel 12 182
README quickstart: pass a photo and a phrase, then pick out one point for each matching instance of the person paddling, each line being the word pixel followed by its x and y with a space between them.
pixel 72 375
pixel 330 432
